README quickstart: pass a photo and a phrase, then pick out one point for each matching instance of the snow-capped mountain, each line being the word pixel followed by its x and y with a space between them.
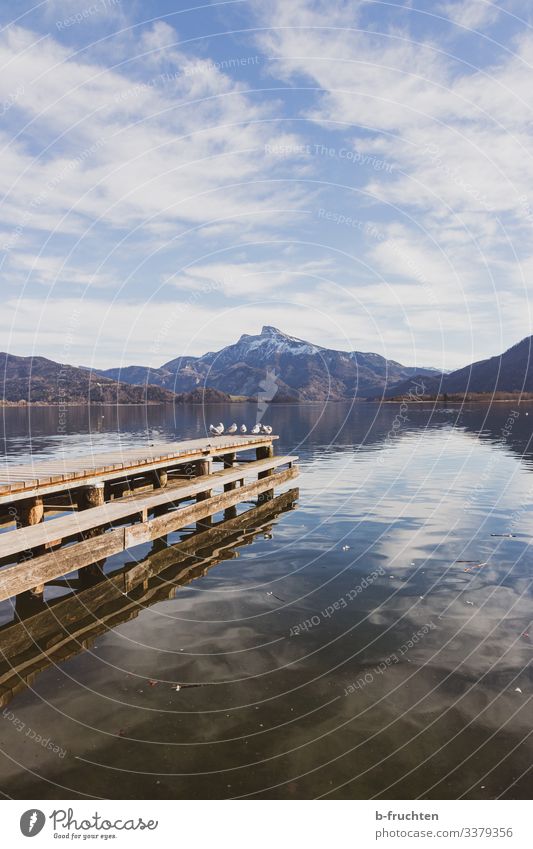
pixel 276 366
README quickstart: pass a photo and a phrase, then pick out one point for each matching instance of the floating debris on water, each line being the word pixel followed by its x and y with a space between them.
pixel 476 566
pixel 276 597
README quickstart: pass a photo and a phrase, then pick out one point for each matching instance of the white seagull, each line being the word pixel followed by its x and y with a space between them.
pixel 232 428
pixel 256 429
pixel 217 430
pixel 267 429
pixel 244 429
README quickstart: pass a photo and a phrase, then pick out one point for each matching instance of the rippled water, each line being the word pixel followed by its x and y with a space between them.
pixel 376 642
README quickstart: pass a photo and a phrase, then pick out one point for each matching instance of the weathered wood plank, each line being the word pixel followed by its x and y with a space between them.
pixel 38 570
pixel 65 527
pixel 161 525
pixel 69 624
pixel 23 576
pixel 62 612
pixel 11 476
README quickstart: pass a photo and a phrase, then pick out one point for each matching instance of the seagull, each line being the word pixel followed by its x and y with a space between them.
pixel 232 428
pixel 217 430
pixel 256 428
pixel 244 429
pixel 267 429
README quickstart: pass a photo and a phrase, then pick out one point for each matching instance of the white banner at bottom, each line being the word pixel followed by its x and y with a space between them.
pixel 268 824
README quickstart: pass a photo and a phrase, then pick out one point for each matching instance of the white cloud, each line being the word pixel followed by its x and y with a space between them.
pixel 52 270
pixel 251 280
pixel 471 14
pixel 170 148
pixel 105 167
pixel 459 138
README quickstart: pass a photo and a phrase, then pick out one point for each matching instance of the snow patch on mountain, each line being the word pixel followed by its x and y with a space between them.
pixel 275 341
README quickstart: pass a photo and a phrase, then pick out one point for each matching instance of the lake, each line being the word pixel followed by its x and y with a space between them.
pixel 375 642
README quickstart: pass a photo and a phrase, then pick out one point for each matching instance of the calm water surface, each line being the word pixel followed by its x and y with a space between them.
pixel 376 642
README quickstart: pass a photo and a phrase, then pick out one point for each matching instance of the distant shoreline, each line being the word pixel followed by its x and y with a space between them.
pixel 413 402
pixel 456 402
pixel 63 404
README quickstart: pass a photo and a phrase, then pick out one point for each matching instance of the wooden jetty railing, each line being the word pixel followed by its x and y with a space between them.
pixel 44 634
pixel 121 501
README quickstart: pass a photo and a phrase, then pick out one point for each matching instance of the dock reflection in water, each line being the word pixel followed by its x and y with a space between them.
pixel 42 634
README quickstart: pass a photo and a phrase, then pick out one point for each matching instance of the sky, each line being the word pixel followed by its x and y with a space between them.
pixel 356 173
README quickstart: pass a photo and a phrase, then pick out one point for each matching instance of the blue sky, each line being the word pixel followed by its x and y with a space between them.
pixel 359 174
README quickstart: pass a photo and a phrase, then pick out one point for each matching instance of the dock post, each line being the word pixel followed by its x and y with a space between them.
pixel 263 453
pixel 159 478
pixel 87 497
pixel 229 461
pixel 203 468
pixel 91 496
pixel 30 512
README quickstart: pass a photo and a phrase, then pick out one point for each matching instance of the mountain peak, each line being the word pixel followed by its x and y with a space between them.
pixel 268 330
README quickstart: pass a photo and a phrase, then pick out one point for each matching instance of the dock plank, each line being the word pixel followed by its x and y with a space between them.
pixel 63 527
pixel 38 570
pixel 59 631
pixel 16 480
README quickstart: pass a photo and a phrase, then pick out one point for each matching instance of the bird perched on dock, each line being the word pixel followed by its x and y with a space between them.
pixel 266 429
pixel 256 429
pixel 244 429
pixel 232 428
pixel 216 430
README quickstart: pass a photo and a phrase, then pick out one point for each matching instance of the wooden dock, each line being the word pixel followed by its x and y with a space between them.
pixel 70 514
pixel 45 634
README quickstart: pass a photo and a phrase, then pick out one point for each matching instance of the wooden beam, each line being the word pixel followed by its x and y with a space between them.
pixel 147 531
pixel 262 453
pixel 120 510
pixel 20 482
pixel 66 626
pixel 229 461
pixel 203 468
pixel 22 576
pixel 90 496
pixel 14 637
pixel 159 478
pixel 30 512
